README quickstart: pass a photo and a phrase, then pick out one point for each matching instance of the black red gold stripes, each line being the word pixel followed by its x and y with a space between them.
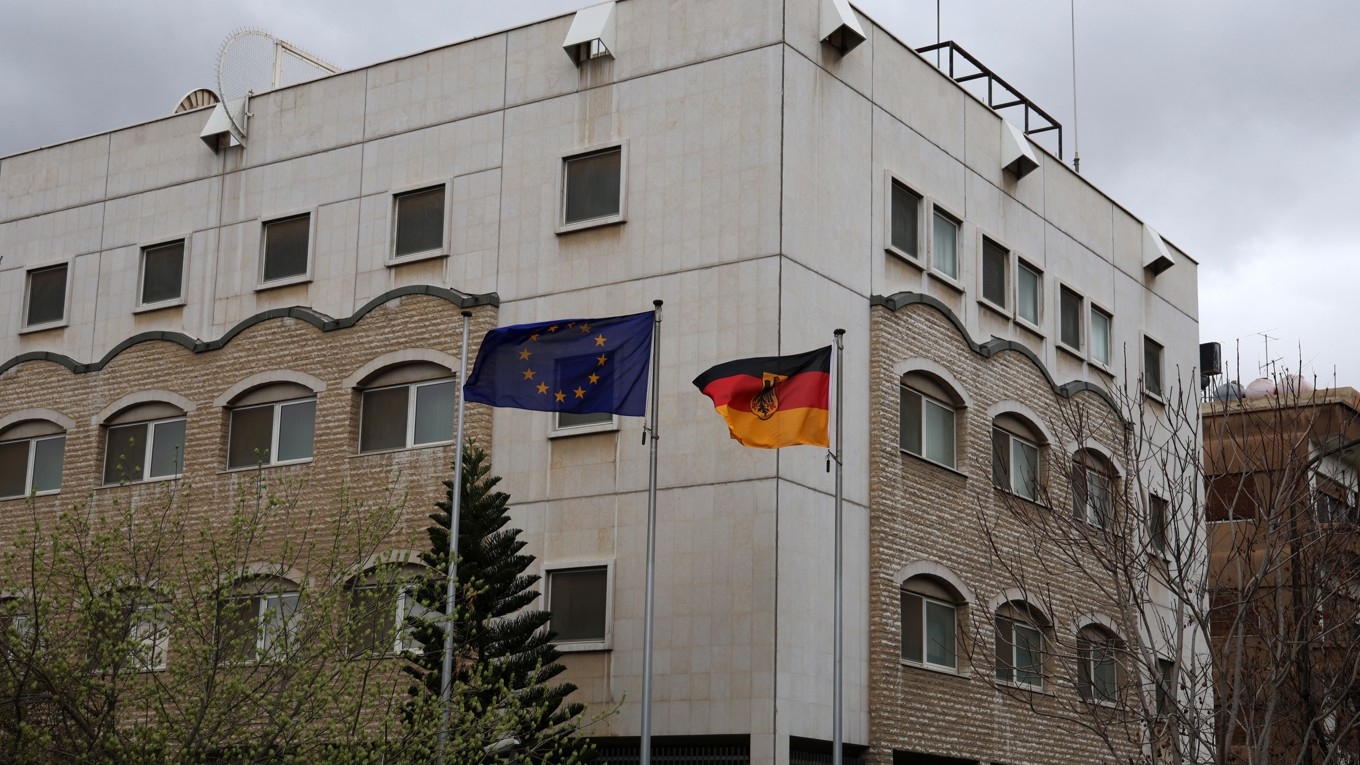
pixel 773 401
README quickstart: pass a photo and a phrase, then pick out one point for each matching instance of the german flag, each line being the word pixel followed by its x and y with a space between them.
pixel 773 401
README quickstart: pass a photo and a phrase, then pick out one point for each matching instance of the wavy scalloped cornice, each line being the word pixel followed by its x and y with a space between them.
pixel 317 319
pixel 996 345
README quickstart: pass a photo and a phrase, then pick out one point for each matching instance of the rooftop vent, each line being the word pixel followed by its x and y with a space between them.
pixel 196 99
pixel 1156 257
pixel 592 34
pixel 840 29
pixel 962 67
pixel 254 62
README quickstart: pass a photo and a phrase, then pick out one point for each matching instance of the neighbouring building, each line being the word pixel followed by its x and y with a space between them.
pixel 772 170
pixel 1283 476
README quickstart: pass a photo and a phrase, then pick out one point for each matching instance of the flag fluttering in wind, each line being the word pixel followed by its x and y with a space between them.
pixel 579 366
pixel 773 401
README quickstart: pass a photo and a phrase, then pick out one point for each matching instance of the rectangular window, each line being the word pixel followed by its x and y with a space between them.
pixel 1098 677
pixel 1015 464
pixel 1069 318
pixel 1152 367
pixel 271 433
pixel 1028 293
pixel 928 631
pixel 945 247
pixel 1091 497
pixel 906 220
pixel 1100 336
pixel 1157 518
pixel 285 247
pixel 162 273
pixel 46 298
pixel 1166 687
pixel 419 222
pixel 143 451
pixel 592 187
pixel 995 265
pixel 31 466
pixel 593 421
pixel 1019 653
pixel 279 621
pixel 578 599
pixel 404 416
pixel 149 637
pixel 377 619
pixel 927 428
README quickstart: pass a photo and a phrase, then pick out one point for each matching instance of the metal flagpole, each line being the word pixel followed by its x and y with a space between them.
pixel 455 510
pixel 836 735
pixel 645 744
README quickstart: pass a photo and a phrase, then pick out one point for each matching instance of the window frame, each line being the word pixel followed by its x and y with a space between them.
pixel 411 403
pixel 1008 281
pixel 1083 508
pixel 153 641
pixel 1080 323
pixel 265 651
pixel 1166 696
pixel 1035 324
pixel 1012 441
pixel 906 591
pixel 147 451
pixel 621 215
pixel 894 183
pixel 1159 392
pixel 1159 523
pixel 142 250
pixel 608 424
pixel 276 427
pixel 1097 649
pixel 284 281
pixel 394 223
pixel 1007 673
pixel 939 211
pixel 1092 309
pixel 605 642
pixel 32 462
pixel 406 605
pixel 927 400
pixel 65 318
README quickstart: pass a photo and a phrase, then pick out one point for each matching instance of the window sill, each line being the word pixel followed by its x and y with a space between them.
pixel 265 466
pixel 1029 326
pixel 416 257
pixel 1021 497
pixel 582 225
pixel 48 493
pixel 905 257
pixel 144 481
pixel 584 646
pixel 999 310
pixel 584 430
pixel 1102 368
pixel 1074 353
pixel 1155 398
pixel 397 449
pixel 287 281
pixel 44 327
pixel 947 280
pixel 1009 685
pixel 162 305
pixel 937 670
pixel 933 463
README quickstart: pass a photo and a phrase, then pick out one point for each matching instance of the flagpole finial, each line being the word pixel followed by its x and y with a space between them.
pixel 467 313
pixel 657 303
pixel 839 332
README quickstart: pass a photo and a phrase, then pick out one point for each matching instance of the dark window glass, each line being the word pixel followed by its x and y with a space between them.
pixel 285 247
pixel 906 216
pixel 434 413
pixel 251 432
pixel 913 631
pixel 297 429
pixel 46 295
pixel 1152 367
pixel 14 468
pixel 1157 512
pixel 592 185
pixel 994 267
pixel 384 419
pixel 420 221
pixel 911 421
pixel 167 448
pixel 577 599
pixel 125 453
pixel 1069 310
pixel 1027 290
pixel 162 272
pixel 48 454
pixel 566 420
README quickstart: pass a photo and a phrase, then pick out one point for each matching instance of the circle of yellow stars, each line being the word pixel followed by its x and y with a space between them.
pixel 543 389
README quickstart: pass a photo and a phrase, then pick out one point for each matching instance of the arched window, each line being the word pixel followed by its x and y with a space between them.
pixel 128 628
pixel 271 425
pixel 929 414
pixel 930 618
pixel 144 442
pixel 1021 645
pixel 258 620
pixel 406 406
pixel 1093 488
pixel 380 602
pixel 31 454
pixel 1098 669
pixel 1016 454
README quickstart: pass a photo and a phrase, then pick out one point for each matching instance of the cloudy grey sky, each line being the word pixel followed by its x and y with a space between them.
pixel 1231 126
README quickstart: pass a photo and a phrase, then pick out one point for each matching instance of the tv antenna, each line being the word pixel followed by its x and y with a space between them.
pixel 253 62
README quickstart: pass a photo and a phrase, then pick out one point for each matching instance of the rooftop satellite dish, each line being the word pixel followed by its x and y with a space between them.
pixel 254 62
pixel 196 99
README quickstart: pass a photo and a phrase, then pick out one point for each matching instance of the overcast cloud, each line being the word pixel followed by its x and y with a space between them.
pixel 1231 126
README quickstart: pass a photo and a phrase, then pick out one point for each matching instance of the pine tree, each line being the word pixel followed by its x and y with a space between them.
pixel 504 658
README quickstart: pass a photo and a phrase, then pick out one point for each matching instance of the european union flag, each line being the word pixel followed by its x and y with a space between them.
pixel 580 366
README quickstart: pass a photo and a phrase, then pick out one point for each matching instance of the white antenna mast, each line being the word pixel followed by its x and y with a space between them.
pixel 1076 132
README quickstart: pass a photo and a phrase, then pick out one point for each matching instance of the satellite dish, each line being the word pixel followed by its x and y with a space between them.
pixel 196 99
pixel 254 62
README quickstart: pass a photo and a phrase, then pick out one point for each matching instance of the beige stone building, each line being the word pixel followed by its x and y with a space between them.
pixel 299 296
